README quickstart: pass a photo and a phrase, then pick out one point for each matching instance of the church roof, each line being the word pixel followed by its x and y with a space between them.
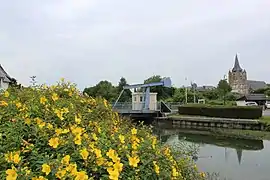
pixel 237 67
pixel 255 85
pixel 3 75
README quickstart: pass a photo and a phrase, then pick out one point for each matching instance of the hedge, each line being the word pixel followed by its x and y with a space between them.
pixel 221 111
pixel 58 133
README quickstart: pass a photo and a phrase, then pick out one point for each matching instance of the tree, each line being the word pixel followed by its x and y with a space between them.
pixel 223 88
pixel 126 96
pixel 103 89
pixel 163 92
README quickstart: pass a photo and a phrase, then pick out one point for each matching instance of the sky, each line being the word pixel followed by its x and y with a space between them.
pixel 86 41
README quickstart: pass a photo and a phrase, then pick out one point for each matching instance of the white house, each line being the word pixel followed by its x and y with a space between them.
pixel 138 101
pixel 5 79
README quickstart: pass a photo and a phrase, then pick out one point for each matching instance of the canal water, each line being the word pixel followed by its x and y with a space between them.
pixel 227 158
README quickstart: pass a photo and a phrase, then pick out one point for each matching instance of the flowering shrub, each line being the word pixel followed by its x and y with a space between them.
pixel 57 133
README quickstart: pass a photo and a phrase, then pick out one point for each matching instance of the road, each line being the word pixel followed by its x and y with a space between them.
pixel 266 112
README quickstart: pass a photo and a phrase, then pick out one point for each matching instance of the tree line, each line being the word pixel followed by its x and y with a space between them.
pixel 107 90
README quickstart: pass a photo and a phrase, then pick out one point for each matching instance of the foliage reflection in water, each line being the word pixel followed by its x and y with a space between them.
pixel 223 158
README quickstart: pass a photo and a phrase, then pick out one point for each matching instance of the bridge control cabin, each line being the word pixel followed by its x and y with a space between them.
pixel 138 101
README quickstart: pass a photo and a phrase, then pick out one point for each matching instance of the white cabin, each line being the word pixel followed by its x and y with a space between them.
pixel 138 101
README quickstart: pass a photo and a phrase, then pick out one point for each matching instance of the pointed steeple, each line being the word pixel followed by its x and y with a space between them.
pixel 237 67
pixel 239 155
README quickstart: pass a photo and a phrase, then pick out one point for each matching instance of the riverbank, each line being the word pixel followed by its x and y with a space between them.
pixel 199 122
pixel 219 132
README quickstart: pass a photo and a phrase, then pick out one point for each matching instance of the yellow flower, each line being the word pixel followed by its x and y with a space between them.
pixel 98 153
pixel 112 154
pixel 46 169
pixel 43 100
pixel 70 93
pixel 133 131
pixel 11 174
pixel 77 119
pixel 16 158
pixel 49 126
pixel 118 166
pixel 18 105
pixel 114 174
pixel 55 97
pixel 59 114
pixel 100 161
pixel 6 94
pixel 94 136
pixel 3 103
pixel 78 140
pixel 61 173
pixel 105 103
pixel 133 161
pixel 54 142
pixel 66 160
pixel 72 168
pixel 39 178
pixel 174 172
pixel 58 131
pixel 84 153
pixel 122 139
pixel 81 176
pixel 156 167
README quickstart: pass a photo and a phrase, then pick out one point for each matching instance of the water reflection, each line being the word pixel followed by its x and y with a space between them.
pixel 232 158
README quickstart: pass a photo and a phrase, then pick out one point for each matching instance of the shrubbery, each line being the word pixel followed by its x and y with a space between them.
pixel 245 112
pixel 57 133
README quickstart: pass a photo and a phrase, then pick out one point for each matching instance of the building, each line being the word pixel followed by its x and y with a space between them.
pixel 260 99
pixel 138 101
pixel 239 82
pixel 5 79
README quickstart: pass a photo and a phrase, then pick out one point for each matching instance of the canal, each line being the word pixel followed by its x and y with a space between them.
pixel 224 158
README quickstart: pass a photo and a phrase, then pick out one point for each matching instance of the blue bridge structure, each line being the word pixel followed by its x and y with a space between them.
pixel 144 111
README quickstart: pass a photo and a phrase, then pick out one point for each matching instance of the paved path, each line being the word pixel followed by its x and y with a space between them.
pixel 266 112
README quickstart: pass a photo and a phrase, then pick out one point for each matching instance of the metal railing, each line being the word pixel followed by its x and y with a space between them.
pixel 128 105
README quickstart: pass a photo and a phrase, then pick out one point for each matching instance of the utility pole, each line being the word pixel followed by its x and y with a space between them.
pixel 186 92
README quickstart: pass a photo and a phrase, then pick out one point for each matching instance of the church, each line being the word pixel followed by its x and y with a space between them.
pixel 238 80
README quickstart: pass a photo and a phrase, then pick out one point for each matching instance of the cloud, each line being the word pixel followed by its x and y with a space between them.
pixel 88 41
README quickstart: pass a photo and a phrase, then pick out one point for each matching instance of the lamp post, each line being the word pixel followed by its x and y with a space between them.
pixel 186 90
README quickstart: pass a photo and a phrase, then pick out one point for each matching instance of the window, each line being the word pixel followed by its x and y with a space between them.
pixel 135 98
pixel 141 99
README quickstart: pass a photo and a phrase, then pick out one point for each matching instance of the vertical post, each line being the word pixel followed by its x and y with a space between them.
pixel 186 92
pixel 147 98
pixel 194 96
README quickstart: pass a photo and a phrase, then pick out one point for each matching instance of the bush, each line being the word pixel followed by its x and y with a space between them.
pixel 221 111
pixel 57 133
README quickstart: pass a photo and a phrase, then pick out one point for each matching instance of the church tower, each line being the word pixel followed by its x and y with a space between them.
pixel 238 78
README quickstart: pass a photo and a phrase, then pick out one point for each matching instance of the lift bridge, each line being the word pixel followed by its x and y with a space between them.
pixel 145 105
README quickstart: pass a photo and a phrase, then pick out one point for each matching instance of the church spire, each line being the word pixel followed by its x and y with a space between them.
pixel 236 67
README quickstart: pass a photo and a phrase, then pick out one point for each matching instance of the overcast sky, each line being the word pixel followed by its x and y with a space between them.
pixel 86 41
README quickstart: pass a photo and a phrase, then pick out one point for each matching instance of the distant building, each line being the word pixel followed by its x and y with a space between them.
pixel 260 99
pixel 238 80
pixel 5 79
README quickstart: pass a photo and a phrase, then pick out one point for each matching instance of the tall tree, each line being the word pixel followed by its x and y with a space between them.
pixel 103 89
pixel 126 96
pixel 224 88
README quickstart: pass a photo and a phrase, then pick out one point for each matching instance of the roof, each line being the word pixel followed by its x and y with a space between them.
pixel 255 85
pixel 253 97
pixel 236 67
pixel 3 75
